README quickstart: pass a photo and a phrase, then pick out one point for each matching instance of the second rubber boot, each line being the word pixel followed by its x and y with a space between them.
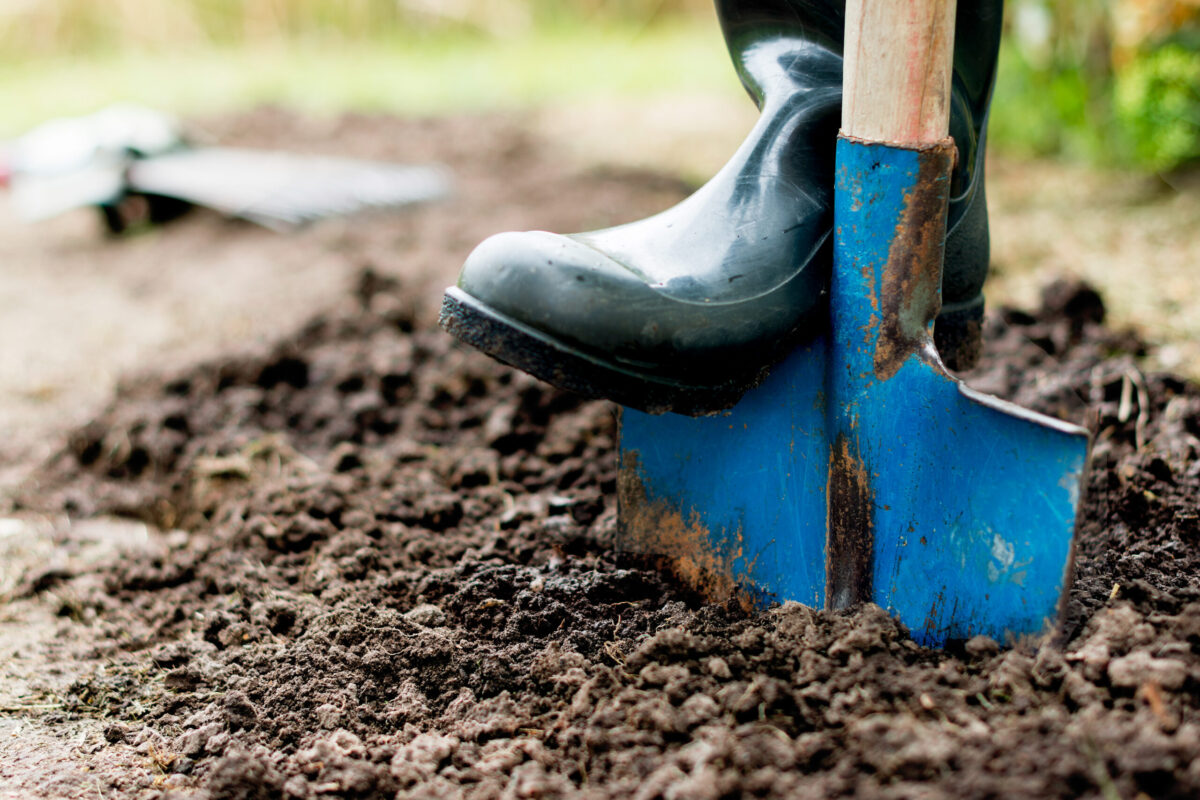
pixel 686 310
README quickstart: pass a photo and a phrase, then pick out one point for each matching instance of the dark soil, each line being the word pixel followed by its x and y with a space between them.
pixel 394 578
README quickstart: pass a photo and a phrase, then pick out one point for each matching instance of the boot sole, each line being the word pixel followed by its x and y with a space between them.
pixel 518 345
pixel 958 335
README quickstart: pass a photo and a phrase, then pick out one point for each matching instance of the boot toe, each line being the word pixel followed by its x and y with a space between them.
pixel 566 291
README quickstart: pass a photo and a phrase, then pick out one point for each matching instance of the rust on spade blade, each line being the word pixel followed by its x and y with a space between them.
pixel 912 279
pixel 849 529
pixel 653 527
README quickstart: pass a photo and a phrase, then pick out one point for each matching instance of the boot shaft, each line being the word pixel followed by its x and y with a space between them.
pixel 808 25
pixel 775 42
pixel 781 46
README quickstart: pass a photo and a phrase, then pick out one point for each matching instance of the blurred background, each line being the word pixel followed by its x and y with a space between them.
pixel 558 114
pixel 1106 82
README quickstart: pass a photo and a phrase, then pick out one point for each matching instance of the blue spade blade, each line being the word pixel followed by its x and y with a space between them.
pixel 861 470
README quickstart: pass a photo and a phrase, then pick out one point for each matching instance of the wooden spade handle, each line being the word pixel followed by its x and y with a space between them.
pixel 896 79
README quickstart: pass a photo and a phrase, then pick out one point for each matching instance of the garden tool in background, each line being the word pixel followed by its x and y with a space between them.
pixel 861 470
pixel 134 165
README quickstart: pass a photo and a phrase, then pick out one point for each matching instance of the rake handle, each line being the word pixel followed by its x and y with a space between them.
pixel 898 63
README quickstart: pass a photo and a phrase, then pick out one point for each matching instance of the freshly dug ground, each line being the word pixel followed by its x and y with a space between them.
pixel 388 572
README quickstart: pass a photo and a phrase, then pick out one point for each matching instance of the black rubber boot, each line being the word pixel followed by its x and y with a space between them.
pixel 686 310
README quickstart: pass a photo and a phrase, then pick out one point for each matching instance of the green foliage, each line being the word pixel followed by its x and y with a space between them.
pixel 68 57
pixel 438 73
pixel 1040 111
pixel 74 28
pixel 1158 103
pixel 1058 92
pixel 1054 87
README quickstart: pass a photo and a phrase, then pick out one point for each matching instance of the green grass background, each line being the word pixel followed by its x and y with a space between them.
pixel 1058 96
pixel 431 74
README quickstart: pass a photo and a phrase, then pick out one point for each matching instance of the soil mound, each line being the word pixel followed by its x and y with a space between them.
pixel 391 575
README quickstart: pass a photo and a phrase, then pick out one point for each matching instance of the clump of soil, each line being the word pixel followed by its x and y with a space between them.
pixel 397 580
